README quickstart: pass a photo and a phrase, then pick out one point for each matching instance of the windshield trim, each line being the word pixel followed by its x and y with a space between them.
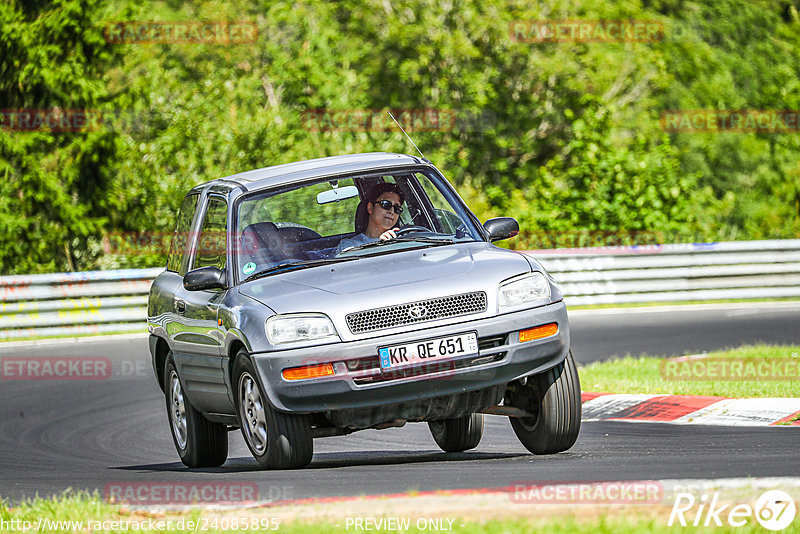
pixel 432 173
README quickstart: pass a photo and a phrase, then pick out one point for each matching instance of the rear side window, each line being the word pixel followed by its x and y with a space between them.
pixel 177 248
pixel 211 249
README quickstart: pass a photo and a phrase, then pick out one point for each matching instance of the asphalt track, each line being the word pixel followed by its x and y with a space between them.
pixel 678 330
pixel 87 434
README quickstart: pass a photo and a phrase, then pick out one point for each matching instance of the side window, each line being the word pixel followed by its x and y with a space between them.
pixel 211 249
pixel 443 211
pixel 177 247
pixel 303 207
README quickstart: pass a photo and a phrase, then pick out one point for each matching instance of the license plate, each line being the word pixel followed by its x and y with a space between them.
pixel 436 349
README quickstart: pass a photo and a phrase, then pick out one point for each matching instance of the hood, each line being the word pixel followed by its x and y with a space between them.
pixel 395 278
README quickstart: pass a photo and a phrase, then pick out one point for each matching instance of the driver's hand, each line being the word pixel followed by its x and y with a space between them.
pixel 389 234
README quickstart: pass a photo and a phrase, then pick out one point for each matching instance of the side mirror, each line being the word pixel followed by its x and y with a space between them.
pixel 501 228
pixel 204 278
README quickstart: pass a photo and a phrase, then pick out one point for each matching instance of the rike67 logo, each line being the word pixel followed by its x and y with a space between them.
pixel 774 510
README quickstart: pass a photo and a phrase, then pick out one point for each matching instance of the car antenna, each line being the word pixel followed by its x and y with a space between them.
pixel 409 137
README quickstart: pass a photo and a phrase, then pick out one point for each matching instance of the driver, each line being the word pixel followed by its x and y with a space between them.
pixel 384 206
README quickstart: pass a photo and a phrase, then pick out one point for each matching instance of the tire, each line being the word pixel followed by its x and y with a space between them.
pixel 276 440
pixel 199 442
pixel 554 397
pixel 459 434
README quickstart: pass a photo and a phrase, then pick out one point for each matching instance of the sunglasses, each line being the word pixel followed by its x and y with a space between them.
pixel 387 205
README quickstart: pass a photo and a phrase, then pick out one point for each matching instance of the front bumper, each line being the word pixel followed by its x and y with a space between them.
pixel 347 389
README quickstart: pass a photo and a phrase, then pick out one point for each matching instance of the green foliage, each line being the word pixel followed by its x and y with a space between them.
pixel 54 184
pixel 563 136
pixel 617 195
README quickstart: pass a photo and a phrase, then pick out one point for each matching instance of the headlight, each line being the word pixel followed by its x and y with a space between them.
pixel 300 327
pixel 523 289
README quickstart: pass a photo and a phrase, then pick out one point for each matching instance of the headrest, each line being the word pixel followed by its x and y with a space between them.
pixel 264 239
pixel 361 217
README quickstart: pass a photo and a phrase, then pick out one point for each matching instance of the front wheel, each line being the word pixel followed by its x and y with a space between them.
pixel 276 440
pixel 458 434
pixel 554 400
pixel 200 443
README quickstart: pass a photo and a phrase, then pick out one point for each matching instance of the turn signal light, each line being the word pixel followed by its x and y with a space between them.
pixel 538 332
pixel 309 371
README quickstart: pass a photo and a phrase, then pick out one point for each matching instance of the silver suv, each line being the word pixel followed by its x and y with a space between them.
pixel 282 313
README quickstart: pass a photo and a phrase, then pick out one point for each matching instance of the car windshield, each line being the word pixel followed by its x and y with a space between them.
pixel 324 221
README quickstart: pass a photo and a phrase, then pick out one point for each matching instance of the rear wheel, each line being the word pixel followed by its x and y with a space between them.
pixel 458 434
pixel 200 443
pixel 276 440
pixel 554 400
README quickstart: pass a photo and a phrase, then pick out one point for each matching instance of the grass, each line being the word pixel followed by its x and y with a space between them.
pixel 81 512
pixel 689 377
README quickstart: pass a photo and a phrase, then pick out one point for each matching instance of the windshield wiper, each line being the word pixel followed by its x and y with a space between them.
pixel 430 240
pixel 294 265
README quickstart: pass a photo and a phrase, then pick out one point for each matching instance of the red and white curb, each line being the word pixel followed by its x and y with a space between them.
pixel 690 410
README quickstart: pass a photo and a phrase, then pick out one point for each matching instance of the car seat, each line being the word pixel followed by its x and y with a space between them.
pixel 263 243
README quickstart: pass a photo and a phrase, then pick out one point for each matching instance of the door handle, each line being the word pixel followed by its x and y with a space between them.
pixel 180 306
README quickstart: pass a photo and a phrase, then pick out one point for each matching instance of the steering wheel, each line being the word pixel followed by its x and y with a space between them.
pixel 413 228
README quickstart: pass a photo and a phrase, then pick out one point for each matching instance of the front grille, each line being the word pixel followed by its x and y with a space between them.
pixel 416 312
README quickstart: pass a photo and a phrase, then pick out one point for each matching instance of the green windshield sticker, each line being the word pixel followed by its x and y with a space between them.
pixel 249 267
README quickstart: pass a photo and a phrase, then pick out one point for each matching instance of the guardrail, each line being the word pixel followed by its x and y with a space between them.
pixel 59 304
pixel 94 302
pixel 681 272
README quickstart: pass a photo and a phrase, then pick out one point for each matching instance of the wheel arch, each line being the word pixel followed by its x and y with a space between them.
pixel 160 351
pixel 233 353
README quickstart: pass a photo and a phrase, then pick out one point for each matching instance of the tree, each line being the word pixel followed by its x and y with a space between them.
pixel 54 180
